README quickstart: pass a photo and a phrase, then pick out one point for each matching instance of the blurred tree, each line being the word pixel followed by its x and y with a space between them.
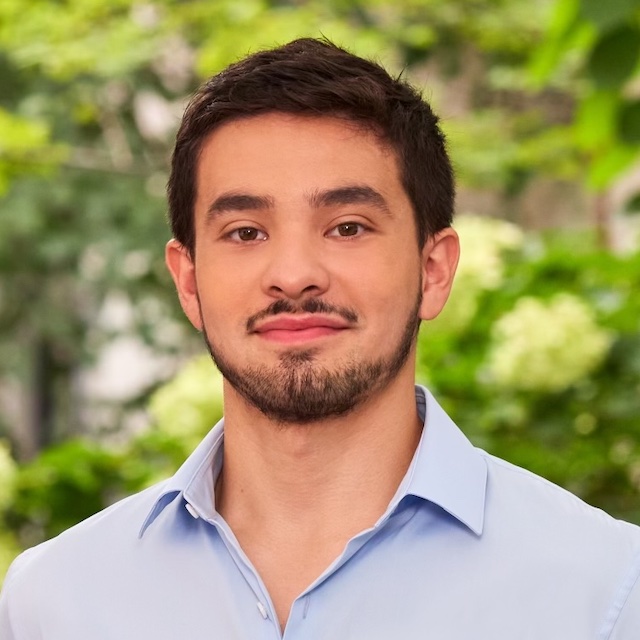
pixel 594 48
pixel 92 92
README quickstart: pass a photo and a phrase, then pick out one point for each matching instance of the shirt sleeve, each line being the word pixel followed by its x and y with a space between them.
pixel 7 632
pixel 10 629
pixel 626 614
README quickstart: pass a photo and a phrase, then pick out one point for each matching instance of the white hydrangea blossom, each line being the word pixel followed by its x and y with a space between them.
pixel 191 403
pixel 546 345
pixel 483 242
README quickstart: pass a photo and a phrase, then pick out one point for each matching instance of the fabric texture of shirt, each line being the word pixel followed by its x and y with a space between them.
pixel 469 547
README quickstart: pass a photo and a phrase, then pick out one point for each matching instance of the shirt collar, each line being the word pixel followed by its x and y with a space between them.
pixel 446 469
pixel 195 479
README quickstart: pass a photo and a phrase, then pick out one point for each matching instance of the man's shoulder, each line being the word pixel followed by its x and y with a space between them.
pixel 117 524
pixel 545 537
pixel 90 562
pixel 521 501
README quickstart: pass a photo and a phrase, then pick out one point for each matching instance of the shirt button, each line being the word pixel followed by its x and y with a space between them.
pixel 262 609
pixel 192 511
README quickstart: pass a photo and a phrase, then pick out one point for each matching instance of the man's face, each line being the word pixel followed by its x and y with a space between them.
pixel 307 281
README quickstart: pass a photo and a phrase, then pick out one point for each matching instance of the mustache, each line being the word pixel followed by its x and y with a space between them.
pixel 310 305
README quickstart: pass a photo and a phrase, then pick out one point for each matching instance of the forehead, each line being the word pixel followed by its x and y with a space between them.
pixel 275 151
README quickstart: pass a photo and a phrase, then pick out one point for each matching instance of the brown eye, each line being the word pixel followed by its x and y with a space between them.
pixel 247 234
pixel 348 229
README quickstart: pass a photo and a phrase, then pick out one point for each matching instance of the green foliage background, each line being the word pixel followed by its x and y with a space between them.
pixel 91 93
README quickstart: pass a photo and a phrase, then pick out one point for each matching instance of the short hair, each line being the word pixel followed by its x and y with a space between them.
pixel 315 77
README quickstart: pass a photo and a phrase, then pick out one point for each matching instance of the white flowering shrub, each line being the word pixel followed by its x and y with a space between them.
pixel 190 404
pixel 483 242
pixel 546 345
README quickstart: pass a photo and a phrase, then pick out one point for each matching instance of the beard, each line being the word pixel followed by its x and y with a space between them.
pixel 298 390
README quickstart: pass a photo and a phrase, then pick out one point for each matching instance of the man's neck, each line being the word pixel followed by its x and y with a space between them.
pixel 295 494
pixel 332 471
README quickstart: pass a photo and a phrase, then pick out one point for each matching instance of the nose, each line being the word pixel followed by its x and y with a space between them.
pixel 295 269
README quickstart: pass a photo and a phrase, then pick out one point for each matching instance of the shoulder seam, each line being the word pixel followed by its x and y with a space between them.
pixel 620 599
pixel 534 477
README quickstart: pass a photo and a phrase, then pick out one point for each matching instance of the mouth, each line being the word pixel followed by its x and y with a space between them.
pixel 292 330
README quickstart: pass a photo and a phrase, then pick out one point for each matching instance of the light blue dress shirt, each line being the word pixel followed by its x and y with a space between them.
pixel 470 547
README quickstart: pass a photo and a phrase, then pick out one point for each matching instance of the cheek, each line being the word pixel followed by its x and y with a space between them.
pixel 386 290
pixel 393 274
pixel 223 293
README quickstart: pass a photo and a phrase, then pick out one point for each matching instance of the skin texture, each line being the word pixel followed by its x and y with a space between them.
pixel 307 270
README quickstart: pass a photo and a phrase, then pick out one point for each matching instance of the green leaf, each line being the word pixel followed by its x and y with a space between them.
pixel 629 122
pixel 18 135
pixel 615 56
pixel 563 17
pixel 606 13
pixel 561 25
pixel 607 167
pixel 595 121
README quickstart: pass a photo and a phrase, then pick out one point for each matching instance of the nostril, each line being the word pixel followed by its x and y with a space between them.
pixel 312 288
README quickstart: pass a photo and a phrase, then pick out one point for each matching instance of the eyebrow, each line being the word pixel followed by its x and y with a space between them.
pixel 229 202
pixel 352 194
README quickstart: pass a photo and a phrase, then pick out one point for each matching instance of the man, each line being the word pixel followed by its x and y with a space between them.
pixel 311 200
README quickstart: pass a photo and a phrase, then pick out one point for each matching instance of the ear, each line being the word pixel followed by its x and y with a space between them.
pixel 183 271
pixel 439 261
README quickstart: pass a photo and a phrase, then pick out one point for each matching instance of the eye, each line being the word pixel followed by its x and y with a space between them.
pixel 348 230
pixel 247 234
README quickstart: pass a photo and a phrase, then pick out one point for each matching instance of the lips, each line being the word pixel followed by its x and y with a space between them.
pixel 299 329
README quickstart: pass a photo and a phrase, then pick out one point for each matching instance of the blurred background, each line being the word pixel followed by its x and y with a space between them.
pixel 103 385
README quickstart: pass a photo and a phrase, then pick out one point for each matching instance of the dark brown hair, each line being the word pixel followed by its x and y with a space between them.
pixel 317 78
